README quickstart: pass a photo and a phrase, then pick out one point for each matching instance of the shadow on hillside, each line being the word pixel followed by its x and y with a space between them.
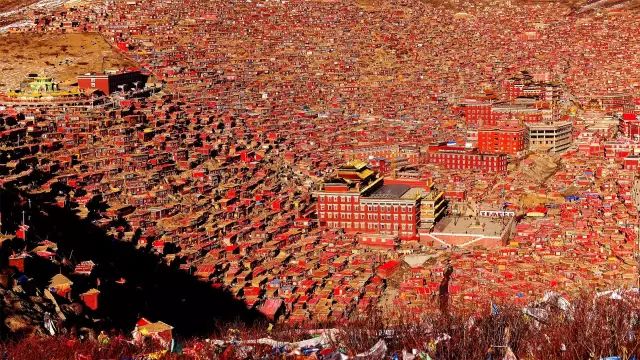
pixel 153 289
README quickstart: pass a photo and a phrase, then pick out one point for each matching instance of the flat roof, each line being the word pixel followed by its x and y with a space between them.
pixel 552 125
pixel 393 191
pixel 413 193
pixel 471 226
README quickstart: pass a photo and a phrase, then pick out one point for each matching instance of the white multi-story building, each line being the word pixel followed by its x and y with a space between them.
pixel 554 136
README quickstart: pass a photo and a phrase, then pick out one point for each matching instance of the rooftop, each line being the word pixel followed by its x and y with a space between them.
pixel 394 191
pixel 471 226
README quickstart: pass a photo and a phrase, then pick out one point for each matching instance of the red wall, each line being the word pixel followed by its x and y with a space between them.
pixel 328 205
pixel 91 300
pixel 85 84
pixel 499 141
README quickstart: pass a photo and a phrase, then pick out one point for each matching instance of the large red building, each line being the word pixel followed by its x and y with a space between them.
pixel 108 83
pixel 389 152
pixel 630 125
pixel 358 200
pixel 459 157
pixel 506 139
pixel 479 112
pixel 525 85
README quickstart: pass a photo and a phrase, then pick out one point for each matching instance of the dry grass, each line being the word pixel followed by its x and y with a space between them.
pixel 6 5
pixel 532 200
pixel 61 56
pixel 587 329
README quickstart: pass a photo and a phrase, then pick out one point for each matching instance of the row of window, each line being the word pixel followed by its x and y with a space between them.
pixel 488 166
pixel 369 208
pixel 503 138
pixel 373 217
pixel 336 198
pixel 469 161
pixel 370 226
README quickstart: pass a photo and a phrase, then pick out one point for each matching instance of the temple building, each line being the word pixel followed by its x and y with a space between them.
pixel 110 82
pixel 359 200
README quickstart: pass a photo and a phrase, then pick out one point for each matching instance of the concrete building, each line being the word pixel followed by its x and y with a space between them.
pixel 554 137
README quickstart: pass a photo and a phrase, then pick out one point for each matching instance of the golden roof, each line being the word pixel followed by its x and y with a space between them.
pixel 155 327
pixel 60 279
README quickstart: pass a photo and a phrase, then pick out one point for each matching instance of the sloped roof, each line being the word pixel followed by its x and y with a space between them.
pixel 60 279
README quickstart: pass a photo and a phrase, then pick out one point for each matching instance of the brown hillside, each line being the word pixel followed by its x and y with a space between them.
pixel 61 56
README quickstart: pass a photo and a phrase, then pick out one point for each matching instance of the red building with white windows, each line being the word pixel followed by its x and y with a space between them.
pixel 109 83
pixel 617 103
pixel 526 85
pixel 459 157
pixel 505 139
pixel 630 125
pixel 636 106
pixel 477 113
pixel 631 162
pixel 391 152
pixel 620 149
pixel 358 200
